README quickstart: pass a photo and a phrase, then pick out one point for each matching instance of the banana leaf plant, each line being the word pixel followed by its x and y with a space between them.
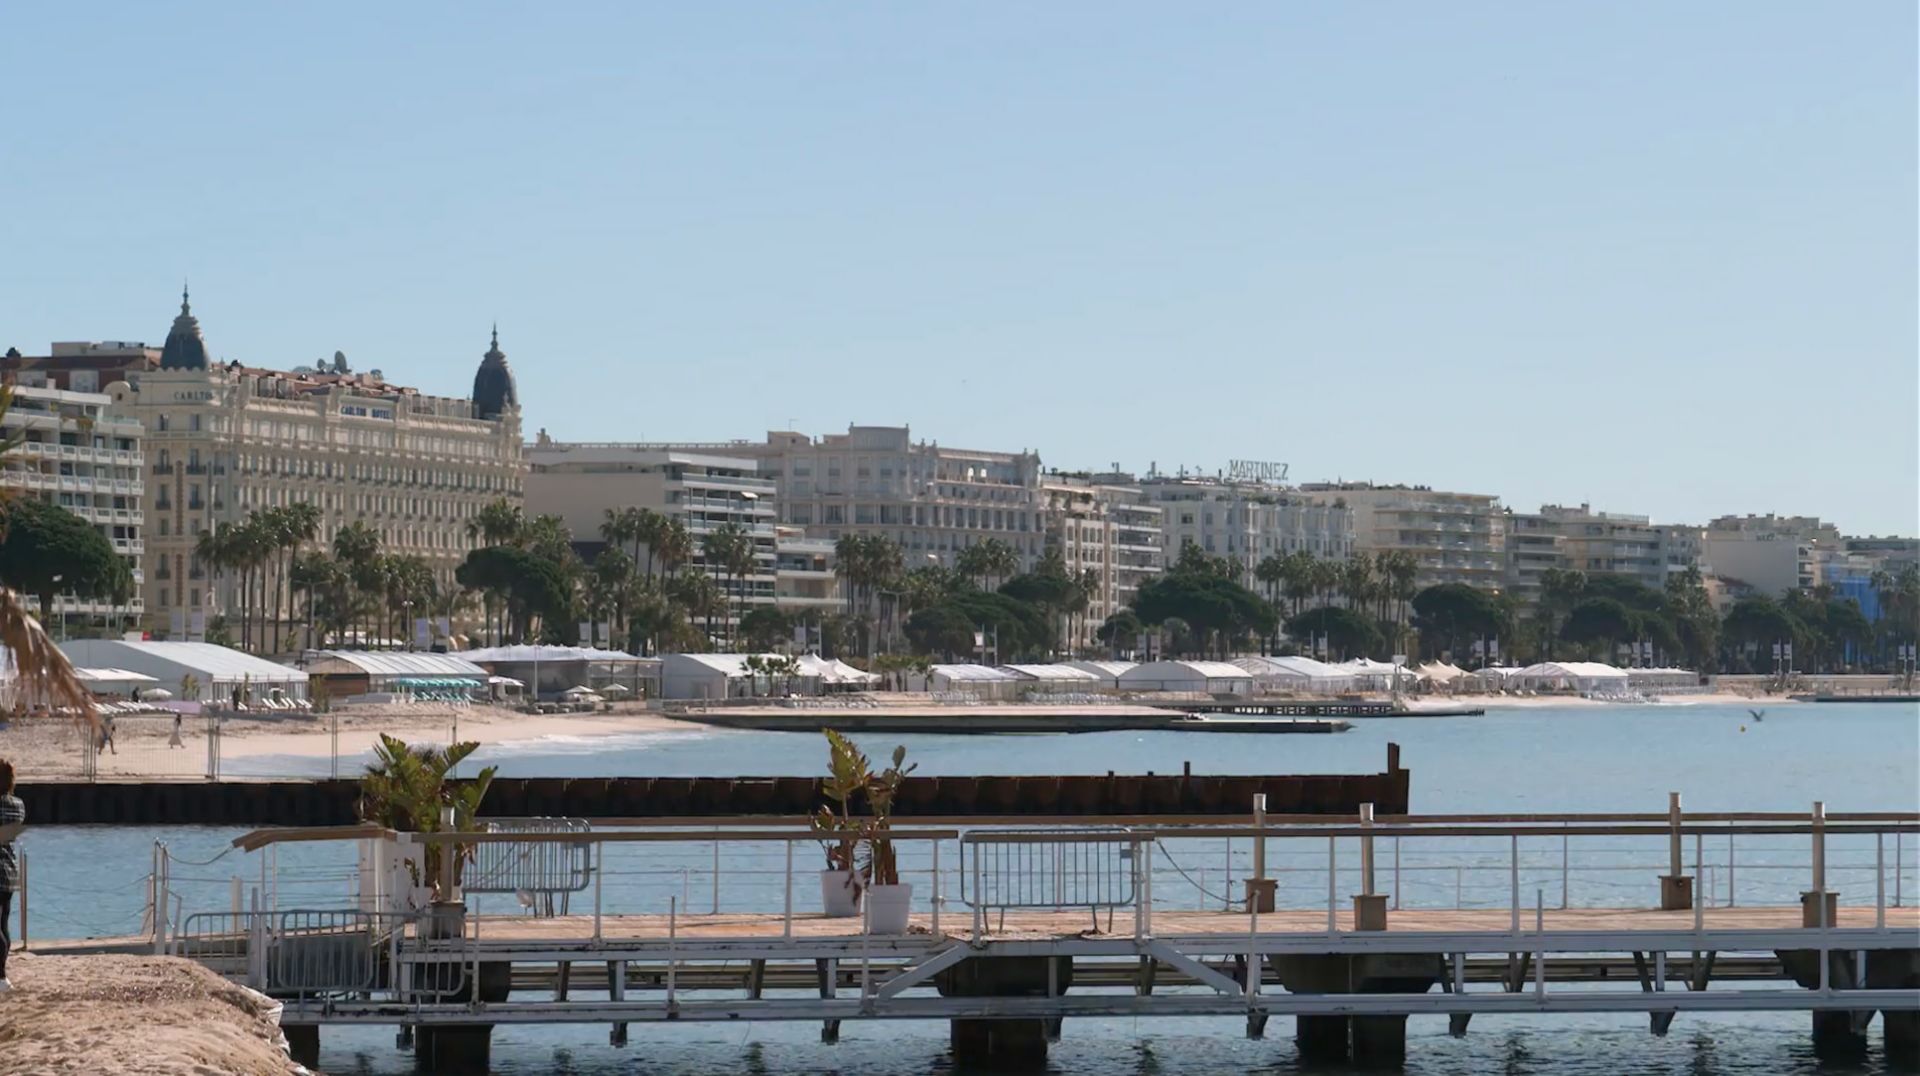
pixel 848 774
pixel 882 867
pixel 406 789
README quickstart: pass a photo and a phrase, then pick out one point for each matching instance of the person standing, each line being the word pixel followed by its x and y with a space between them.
pixel 13 814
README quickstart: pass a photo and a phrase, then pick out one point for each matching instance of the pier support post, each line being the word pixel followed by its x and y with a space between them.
pixel 1371 1041
pixel 1837 1033
pixel 1897 969
pixel 1013 1045
pixel 457 1048
pixel 303 1043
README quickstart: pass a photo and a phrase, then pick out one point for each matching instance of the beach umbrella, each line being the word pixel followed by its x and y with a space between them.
pixel 616 689
pixel 156 694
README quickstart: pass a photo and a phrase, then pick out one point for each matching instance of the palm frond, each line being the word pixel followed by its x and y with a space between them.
pixel 41 672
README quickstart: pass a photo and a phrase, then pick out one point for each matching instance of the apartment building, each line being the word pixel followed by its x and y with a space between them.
pixel 1768 554
pixel 804 582
pixel 1595 543
pixel 221 440
pixel 1247 522
pixel 580 482
pixel 1452 537
pixel 76 451
pixel 1106 531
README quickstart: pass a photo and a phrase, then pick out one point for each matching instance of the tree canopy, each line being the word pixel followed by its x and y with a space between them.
pixel 46 550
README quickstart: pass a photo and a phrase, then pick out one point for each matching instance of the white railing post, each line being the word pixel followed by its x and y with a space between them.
pixel 786 908
pixel 1566 874
pixel 1366 849
pixel 1396 873
pixel 935 927
pixel 716 876
pixel 1700 891
pixel 1333 865
pixel 1540 940
pixel 1731 898
pixel 1513 872
pixel 1820 850
pixel 599 872
pixel 673 945
pixel 1880 881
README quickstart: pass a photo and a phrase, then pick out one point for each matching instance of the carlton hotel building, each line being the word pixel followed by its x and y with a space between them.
pixel 222 440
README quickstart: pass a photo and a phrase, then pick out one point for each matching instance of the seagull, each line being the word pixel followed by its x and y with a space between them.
pixel 1758 715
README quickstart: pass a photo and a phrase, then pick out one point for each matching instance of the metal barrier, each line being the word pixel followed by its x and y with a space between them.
pixel 536 871
pixel 323 952
pixel 1054 869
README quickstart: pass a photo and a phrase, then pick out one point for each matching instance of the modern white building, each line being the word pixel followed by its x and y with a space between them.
pixel 804 581
pixel 77 451
pixel 1248 522
pixel 1452 537
pixel 1768 554
pixel 704 490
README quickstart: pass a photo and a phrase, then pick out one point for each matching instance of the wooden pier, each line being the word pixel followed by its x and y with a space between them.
pixel 1025 927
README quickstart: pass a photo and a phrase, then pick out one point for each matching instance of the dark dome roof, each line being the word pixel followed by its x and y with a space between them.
pixel 493 391
pixel 184 350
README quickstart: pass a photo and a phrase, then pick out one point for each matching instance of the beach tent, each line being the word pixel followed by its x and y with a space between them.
pixel 1296 674
pixel 1370 675
pixel 1106 673
pixel 547 671
pixel 725 676
pixel 1663 679
pixel 217 670
pixel 347 673
pixel 1204 677
pixel 114 681
pixel 1439 672
pixel 1052 678
pixel 970 679
pixel 1587 677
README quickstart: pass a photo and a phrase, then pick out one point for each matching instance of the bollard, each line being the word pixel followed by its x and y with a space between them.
pixel 1260 888
pixel 1676 889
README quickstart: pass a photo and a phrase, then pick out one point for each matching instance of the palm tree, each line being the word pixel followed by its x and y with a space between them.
pixel 1326 577
pixel 298 524
pixel 728 550
pixel 1356 580
pixel 499 523
pixel 357 547
pixel 674 546
pixel 1296 578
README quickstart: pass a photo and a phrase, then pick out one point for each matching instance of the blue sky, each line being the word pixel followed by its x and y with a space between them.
pixel 1656 257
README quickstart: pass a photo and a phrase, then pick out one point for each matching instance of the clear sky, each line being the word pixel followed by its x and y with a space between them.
pixel 1656 257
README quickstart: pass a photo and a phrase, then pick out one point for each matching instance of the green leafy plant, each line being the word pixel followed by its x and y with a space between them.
pixel 407 789
pixel 848 775
pixel 882 867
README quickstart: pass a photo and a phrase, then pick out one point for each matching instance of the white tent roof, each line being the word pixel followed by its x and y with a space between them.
pixel 168 660
pixel 733 666
pixel 1106 670
pixel 400 663
pixel 114 676
pixel 528 653
pixel 1572 670
pixel 1368 665
pixel 1295 668
pixel 1051 672
pixel 1498 672
pixel 1440 672
pixel 1186 670
pixel 833 670
pixel 965 671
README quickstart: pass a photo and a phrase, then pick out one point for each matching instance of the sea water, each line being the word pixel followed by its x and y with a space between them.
pixel 88 880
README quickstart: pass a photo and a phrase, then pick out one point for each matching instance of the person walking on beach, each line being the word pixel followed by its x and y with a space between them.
pixel 13 815
pixel 106 737
pixel 174 740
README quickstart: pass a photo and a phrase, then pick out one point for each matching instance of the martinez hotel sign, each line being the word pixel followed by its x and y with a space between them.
pixel 1263 471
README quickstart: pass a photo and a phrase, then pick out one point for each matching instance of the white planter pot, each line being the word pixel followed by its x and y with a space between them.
pixel 839 895
pixel 887 908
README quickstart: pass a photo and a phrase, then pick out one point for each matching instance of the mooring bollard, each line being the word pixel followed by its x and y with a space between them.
pixel 1676 889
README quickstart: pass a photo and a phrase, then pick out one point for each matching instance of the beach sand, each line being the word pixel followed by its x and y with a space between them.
pixel 145 1014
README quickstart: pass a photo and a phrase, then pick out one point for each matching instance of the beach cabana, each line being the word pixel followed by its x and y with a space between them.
pixel 1370 675
pixel 1586 677
pixel 1665 679
pixel 218 672
pixel 1201 677
pixel 836 675
pixel 1439 672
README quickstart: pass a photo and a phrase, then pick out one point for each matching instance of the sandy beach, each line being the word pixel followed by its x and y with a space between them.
pixel 115 1014
pixel 360 729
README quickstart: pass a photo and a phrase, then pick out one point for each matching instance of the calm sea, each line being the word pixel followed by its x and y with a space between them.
pixel 87 880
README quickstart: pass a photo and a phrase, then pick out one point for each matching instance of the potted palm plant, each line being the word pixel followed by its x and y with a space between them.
pixel 848 775
pixel 888 899
pixel 407 789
